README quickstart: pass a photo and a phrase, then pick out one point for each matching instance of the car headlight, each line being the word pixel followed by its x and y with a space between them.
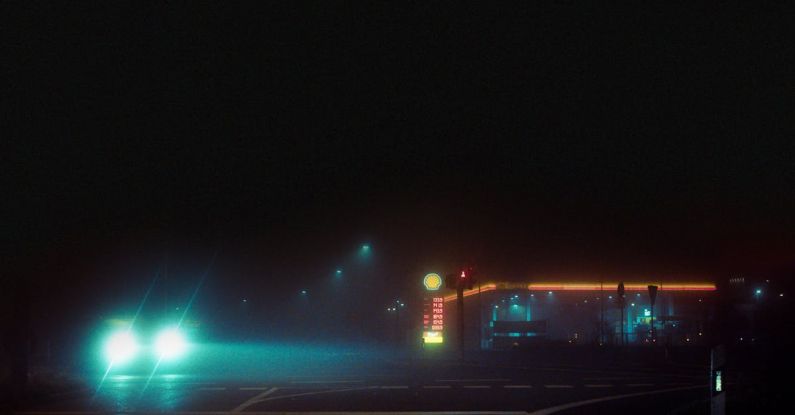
pixel 170 344
pixel 121 347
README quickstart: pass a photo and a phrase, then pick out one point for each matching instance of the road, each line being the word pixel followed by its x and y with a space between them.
pixel 394 386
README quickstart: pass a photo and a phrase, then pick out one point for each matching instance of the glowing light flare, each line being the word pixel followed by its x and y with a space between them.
pixel 170 344
pixel 433 337
pixel 474 291
pixel 121 347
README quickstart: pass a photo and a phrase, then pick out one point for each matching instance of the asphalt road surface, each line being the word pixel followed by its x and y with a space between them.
pixel 395 386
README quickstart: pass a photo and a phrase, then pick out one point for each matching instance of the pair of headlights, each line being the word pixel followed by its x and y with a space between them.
pixel 123 346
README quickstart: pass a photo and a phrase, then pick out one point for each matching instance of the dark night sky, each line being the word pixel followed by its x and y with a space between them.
pixel 546 139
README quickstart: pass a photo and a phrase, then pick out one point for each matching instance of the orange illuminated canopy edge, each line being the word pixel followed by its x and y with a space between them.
pixel 608 286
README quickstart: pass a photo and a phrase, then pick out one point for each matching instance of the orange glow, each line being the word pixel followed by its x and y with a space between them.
pixel 474 291
pixel 608 286
pixel 611 285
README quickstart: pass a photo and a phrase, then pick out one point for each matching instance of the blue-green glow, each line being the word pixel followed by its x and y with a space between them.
pixel 170 344
pixel 121 347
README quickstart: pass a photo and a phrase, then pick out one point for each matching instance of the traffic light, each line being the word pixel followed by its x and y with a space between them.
pixel 467 278
pixel 464 279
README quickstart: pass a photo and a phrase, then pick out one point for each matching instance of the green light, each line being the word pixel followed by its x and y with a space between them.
pixel 364 251
pixel 338 272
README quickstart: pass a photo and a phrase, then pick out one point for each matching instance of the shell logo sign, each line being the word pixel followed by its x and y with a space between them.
pixel 432 281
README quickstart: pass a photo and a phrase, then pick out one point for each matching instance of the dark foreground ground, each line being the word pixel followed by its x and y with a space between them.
pixel 226 378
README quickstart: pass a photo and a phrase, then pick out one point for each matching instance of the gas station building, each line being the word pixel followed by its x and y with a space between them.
pixel 506 315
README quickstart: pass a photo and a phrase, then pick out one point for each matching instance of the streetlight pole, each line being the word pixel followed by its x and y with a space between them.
pixel 621 306
pixel 397 326
pixel 460 302
pixel 601 312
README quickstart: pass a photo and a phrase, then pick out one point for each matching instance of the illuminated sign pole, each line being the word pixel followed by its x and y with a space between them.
pixel 433 311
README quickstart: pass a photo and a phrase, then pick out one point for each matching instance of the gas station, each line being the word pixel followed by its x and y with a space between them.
pixel 510 315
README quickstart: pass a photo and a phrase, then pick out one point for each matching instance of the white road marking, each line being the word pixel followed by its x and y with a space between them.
pixel 637 385
pixel 558 386
pixel 394 387
pixel 600 385
pixel 254 400
pixel 295 395
pixel 436 386
pixel 477 387
pixel 473 380
pixel 296 413
pixel 518 386
pixel 553 409
pixel 325 382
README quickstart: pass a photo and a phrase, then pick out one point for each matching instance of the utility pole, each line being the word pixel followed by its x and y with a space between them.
pixel 464 280
pixel 480 319
pixel 621 306
pixel 460 302
pixel 397 325
pixel 601 312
